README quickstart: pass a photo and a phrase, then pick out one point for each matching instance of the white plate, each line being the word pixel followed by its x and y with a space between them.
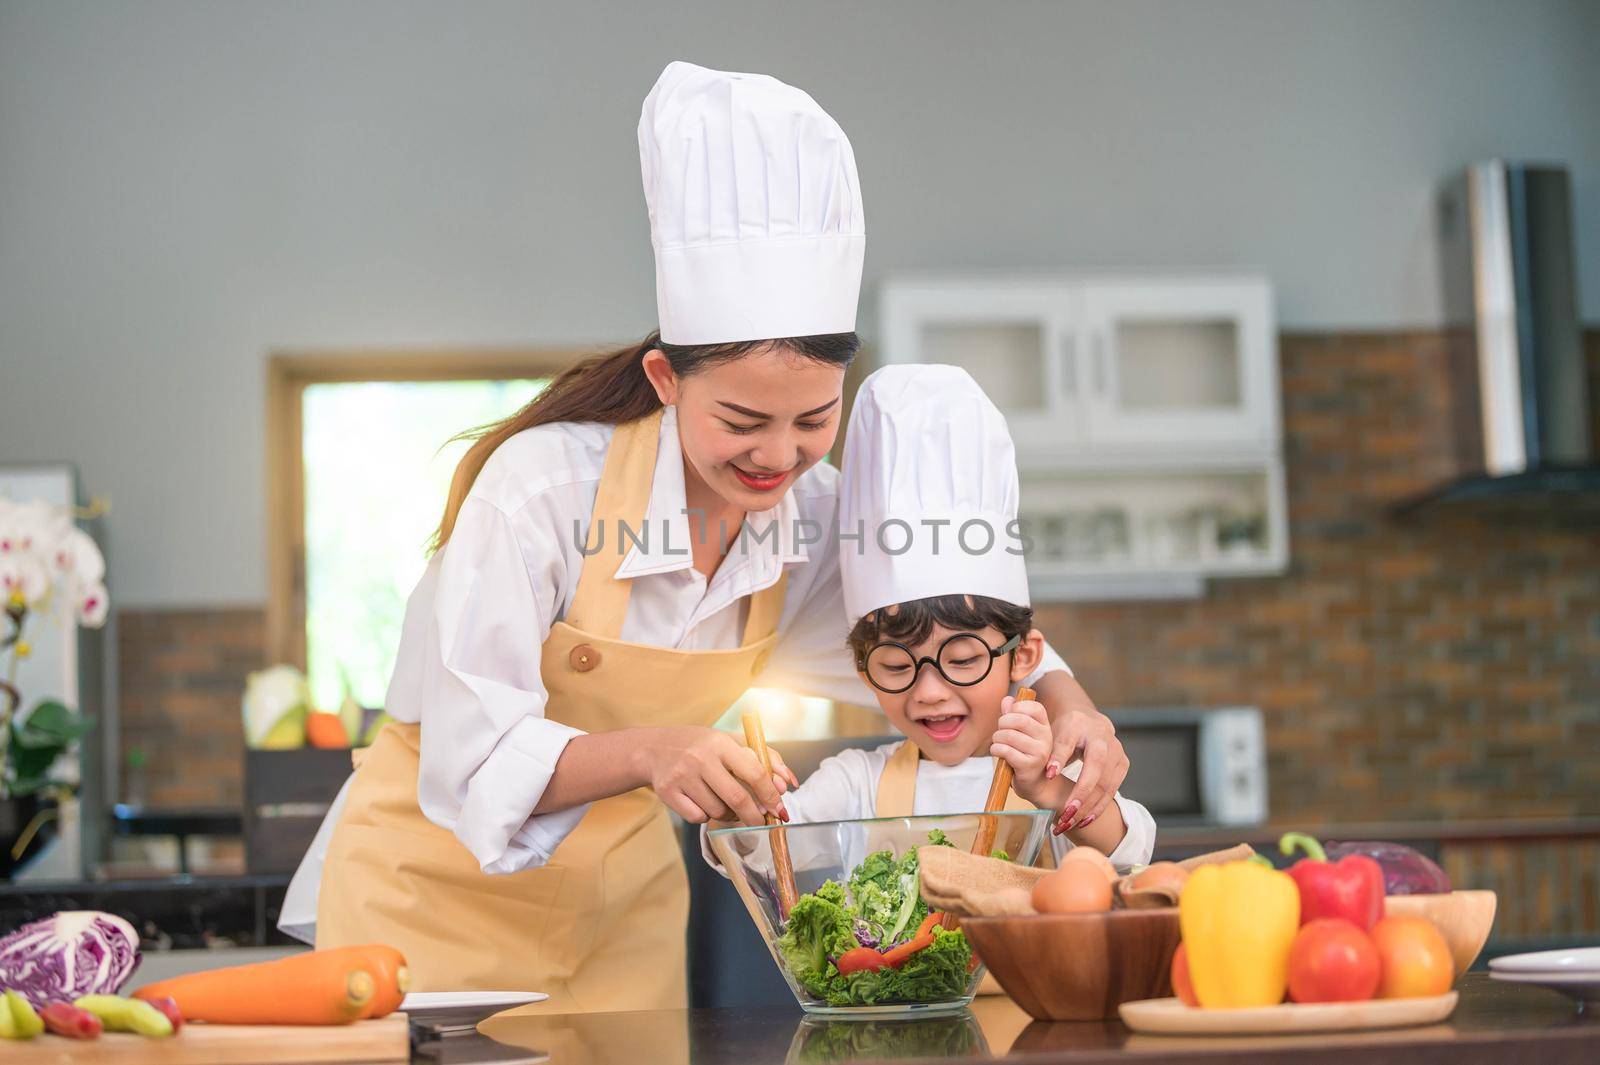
pixel 420 1003
pixel 1585 987
pixel 1579 960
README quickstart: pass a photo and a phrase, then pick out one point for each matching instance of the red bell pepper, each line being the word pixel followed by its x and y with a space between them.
pixel 1350 888
pixel 859 960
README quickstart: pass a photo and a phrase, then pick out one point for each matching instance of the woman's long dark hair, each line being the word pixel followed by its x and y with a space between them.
pixel 612 388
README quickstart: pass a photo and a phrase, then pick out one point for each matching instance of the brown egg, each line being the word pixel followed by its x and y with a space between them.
pixel 1160 875
pixel 1076 887
pixel 1094 858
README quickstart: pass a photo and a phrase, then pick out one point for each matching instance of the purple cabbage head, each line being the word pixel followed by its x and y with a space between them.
pixel 1405 871
pixel 77 952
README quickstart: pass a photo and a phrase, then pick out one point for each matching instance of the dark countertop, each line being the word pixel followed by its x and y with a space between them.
pixel 1493 1023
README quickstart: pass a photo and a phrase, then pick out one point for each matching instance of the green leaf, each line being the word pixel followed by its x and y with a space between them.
pixel 51 725
pixel 24 786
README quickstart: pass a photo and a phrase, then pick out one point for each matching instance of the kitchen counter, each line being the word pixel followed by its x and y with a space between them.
pixel 1493 1023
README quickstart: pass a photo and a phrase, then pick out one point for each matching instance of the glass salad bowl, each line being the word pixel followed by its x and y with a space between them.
pixel 858 895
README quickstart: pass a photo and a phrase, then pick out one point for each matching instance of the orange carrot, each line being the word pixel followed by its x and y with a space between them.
pixel 388 969
pixel 318 987
pixel 923 939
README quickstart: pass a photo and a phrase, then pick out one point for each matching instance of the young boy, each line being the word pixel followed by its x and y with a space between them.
pixel 941 629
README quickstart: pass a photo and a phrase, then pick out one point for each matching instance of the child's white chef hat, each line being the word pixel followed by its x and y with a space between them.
pixel 755 209
pixel 930 483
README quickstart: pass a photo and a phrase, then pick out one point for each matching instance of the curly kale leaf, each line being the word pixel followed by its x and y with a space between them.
pixel 819 930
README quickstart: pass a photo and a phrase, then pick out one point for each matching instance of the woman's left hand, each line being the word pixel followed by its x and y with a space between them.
pixel 1091 738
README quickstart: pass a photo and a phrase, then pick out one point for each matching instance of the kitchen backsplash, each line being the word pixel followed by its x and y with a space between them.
pixel 180 678
pixel 1440 665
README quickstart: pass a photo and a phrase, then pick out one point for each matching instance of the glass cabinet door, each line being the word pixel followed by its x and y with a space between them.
pixel 1018 342
pixel 1179 363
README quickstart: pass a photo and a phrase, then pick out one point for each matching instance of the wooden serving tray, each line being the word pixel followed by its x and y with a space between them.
pixel 1168 1016
pixel 382 1040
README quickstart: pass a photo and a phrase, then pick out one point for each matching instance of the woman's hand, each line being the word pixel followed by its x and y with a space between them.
pixel 1082 733
pixel 704 774
pixel 1024 740
pixel 1091 738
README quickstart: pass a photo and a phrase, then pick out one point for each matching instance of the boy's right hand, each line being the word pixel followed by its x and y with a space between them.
pixel 704 774
pixel 1025 740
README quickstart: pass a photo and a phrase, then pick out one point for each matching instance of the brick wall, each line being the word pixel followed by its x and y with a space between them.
pixel 181 674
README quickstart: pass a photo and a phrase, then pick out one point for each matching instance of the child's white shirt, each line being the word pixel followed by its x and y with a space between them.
pixel 845 787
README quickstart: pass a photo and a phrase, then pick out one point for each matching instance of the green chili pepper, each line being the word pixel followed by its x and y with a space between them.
pixel 126 1015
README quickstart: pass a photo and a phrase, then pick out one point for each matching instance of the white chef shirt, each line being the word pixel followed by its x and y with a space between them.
pixel 845 787
pixel 468 661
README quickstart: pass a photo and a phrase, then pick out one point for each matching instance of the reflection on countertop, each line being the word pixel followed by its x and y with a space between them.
pixel 1503 1022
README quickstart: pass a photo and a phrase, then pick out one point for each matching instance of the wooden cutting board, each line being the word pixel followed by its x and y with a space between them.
pixel 1168 1016
pixel 216 1044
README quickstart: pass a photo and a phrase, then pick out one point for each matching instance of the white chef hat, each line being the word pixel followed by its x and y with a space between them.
pixel 926 446
pixel 755 209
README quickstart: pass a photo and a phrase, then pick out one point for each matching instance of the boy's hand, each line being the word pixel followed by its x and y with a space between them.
pixel 1024 740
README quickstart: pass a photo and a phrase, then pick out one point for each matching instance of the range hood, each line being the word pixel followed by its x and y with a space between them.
pixel 1511 294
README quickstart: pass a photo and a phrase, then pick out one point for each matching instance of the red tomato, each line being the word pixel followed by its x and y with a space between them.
pixel 1333 960
pixel 859 960
pixel 1416 959
pixel 1182 986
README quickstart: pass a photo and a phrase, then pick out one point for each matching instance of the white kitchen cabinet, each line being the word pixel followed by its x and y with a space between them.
pixel 1180 362
pixel 1145 412
pixel 1146 531
pixel 1102 362
pixel 1017 340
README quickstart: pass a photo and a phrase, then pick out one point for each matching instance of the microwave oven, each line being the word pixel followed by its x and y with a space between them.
pixel 1196 767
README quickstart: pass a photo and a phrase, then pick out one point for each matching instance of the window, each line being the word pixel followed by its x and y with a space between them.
pixel 376 478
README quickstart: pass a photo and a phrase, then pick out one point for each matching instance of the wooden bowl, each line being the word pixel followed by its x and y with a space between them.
pixel 1464 917
pixel 1078 967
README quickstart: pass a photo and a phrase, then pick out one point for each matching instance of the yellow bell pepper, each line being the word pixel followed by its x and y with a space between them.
pixel 1239 920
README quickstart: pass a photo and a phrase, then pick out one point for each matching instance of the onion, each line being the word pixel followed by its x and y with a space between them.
pixel 74 953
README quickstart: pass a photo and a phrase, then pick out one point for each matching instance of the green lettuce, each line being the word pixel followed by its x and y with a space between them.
pixel 883 902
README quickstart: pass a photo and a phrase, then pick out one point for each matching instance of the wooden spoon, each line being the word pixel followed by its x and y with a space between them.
pixel 756 738
pixel 999 788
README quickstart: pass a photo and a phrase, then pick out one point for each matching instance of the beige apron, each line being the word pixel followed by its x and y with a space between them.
pixel 601 925
pixel 897 794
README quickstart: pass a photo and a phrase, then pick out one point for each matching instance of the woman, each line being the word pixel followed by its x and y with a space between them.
pixel 617 563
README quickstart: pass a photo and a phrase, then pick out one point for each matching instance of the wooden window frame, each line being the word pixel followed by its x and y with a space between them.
pixel 288 376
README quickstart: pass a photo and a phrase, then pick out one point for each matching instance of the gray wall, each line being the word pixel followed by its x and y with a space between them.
pixel 185 187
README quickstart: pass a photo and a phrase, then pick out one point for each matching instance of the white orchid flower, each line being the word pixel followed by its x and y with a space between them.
pixel 77 554
pixel 48 563
pixel 93 605
pixel 11 529
pixel 36 526
pixel 24 581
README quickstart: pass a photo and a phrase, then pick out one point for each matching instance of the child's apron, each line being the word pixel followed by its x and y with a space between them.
pixel 897 795
pixel 601 925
